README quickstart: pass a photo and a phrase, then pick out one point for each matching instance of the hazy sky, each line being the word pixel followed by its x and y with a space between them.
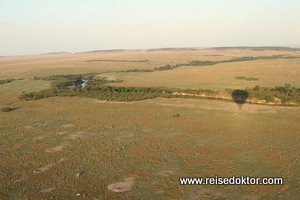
pixel 42 26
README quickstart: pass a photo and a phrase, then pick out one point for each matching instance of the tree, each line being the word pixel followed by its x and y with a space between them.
pixel 256 87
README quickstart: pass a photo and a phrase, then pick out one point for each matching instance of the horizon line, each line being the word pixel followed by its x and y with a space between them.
pixel 162 48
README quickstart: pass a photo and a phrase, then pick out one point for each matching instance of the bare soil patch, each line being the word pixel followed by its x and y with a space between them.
pixel 19 180
pixel 42 169
pixel 76 135
pixel 122 186
pixel 124 135
pixel 47 190
pixel 55 149
pixel 62 159
pixel 61 133
pixel 68 126
pixel 148 130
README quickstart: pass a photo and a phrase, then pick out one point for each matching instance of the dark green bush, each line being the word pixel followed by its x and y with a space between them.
pixel 5 109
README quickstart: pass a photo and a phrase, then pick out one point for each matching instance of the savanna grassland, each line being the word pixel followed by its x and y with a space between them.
pixel 272 72
pixel 84 148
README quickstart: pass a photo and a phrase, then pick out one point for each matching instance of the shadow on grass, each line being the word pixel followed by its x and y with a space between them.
pixel 240 97
pixel 15 108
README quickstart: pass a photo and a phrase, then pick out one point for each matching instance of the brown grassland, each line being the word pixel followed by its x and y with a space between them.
pixel 270 73
pixel 74 148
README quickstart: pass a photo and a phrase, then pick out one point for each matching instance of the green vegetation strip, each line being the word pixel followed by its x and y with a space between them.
pixel 205 63
pixel 280 95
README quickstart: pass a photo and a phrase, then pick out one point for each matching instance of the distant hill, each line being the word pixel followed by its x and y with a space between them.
pixel 262 48
pixel 104 51
pixel 172 49
pixel 56 53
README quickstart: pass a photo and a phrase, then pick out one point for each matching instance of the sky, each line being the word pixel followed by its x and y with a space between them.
pixel 43 26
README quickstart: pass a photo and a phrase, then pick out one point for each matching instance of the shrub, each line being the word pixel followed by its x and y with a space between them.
pixel 240 77
pixel 5 109
pixel 247 78
pixel 251 79
pixel 256 87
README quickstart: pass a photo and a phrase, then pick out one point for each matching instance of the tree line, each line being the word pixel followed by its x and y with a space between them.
pixel 201 63
pixel 97 88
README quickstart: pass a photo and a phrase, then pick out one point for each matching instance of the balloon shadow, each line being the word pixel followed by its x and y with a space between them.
pixel 240 97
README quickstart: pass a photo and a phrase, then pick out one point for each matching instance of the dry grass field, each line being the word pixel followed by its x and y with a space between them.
pixel 80 148
pixel 17 87
pixel 44 65
pixel 271 73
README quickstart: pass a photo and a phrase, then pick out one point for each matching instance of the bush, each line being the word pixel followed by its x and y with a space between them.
pixel 240 77
pixel 256 88
pixel 247 78
pixel 251 79
pixel 5 109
